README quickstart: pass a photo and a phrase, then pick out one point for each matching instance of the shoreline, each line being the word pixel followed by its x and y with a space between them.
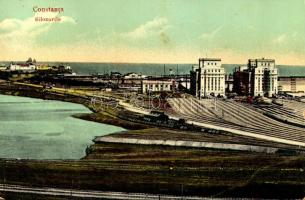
pixel 98 117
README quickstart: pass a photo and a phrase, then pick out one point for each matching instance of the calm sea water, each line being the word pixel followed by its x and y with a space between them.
pixel 158 69
pixel 39 129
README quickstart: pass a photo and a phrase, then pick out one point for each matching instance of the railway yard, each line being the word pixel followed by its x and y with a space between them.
pixel 232 115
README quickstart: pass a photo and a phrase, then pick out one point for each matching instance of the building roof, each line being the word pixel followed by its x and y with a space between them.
pixel 24 64
pixel 209 59
pixel 157 81
pixel 262 60
pixel 291 77
pixel 131 73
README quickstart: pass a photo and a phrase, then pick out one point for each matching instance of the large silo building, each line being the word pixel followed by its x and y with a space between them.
pixel 208 78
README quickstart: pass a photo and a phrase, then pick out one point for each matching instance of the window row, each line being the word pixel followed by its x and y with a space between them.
pixel 156 86
pixel 212 63
pixel 212 70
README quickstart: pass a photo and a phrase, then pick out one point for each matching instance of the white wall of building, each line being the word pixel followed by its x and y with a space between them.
pixel 156 86
pixel 17 67
pixel 261 66
pixel 212 77
pixel 291 84
pixel 134 76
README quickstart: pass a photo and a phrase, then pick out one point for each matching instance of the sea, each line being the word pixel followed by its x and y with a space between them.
pixel 165 69
pixel 45 129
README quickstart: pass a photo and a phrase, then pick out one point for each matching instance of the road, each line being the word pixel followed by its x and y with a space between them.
pixel 88 193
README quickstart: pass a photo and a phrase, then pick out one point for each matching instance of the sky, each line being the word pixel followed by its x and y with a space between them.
pixel 154 31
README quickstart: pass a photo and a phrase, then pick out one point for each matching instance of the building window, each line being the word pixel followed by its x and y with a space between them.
pixel 218 83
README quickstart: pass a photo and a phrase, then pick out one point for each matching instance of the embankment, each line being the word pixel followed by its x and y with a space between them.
pixel 184 143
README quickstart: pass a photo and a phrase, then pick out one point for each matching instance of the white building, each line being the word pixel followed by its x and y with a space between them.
pixel 291 84
pixel 2 67
pixel 21 67
pixel 208 78
pixel 67 67
pixel 156 86
pixel 264 77
pixel 134 76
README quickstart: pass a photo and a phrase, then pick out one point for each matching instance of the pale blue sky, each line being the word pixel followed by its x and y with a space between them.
pixel 155 31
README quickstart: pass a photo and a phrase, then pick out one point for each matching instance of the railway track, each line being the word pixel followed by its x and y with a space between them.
pixel 88 194
pixel 244 118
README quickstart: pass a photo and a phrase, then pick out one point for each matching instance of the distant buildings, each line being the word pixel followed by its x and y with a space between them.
pixel 241 81
pixel 258 78
pixel 229 83
pixel 148 86
pixel 43 67
pixel 264 76
pixel 28 66
pixel 208 78
pixel 115 75
pixel 291 84
pixel 64 69
pixel 132 80
pixel 133 76
pixel 22 67
pixel 3 67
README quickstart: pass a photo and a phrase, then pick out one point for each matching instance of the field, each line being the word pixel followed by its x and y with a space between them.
pixel 167 170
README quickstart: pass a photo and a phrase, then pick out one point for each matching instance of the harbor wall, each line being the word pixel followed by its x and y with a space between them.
pixel 193 144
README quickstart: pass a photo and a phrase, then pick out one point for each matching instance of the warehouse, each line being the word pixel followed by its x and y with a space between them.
pixel 291 84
